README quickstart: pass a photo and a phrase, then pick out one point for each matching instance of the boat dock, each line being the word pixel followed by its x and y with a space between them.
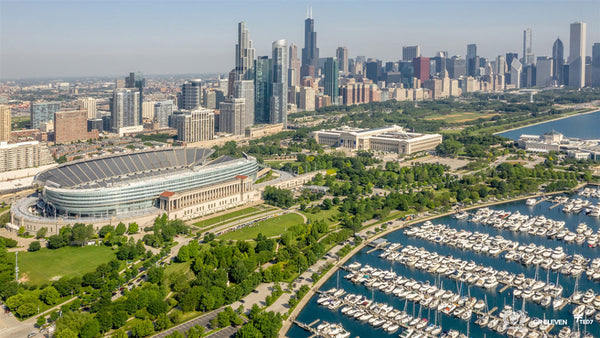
pixel 308 327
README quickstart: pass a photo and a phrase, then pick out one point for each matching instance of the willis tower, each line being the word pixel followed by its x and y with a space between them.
pixel 310 52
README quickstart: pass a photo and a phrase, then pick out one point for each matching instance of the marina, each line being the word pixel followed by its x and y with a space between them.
pixel 545 296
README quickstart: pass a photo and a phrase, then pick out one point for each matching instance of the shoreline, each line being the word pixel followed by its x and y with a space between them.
pixel 287 324
pixel 594 110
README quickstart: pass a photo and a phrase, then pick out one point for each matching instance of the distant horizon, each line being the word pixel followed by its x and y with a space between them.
pixel 72 39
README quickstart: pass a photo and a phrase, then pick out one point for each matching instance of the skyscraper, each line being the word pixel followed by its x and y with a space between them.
pixel 136 80
pixel 456 67
pixel 162 111
pixel 500 65
pixel 342 55
pixel 88 104
pixel 577 55
pixel 232 116
pixel 196 125
pixel 527 50
pixel 5 120
pixel 544 68
pixel 559 61
pixel 244 89
pixel 421 68
pixel 191 92
pixel 596 65
pixel 244 54
pixel 262 89
pixel 331 86
pixel 42 112
pixel 373 71
pixel 410 52
pixel 279 89
pixel 515 73
pixel 125 108
pixel 70 126
pixel 472 60
pixel 295 65
pixel 310 52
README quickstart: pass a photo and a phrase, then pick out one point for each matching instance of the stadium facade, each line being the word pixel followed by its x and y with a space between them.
pixel 127 186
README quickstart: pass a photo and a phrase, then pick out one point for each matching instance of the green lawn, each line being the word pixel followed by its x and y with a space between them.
pixel 270 227
pixel 42 266
pixel 225 217
pixel 329 216
pixel 460 117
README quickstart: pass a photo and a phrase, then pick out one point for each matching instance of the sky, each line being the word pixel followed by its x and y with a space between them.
pixel 48 38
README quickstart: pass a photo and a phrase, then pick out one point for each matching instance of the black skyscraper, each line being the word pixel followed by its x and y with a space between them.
pixel 559 61
pixel 310 52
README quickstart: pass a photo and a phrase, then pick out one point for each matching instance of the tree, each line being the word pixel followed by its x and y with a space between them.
pixel 66 333
pixel 119 319
pixel 21 231
pixel 449 147
pixel 49 295
pixel 143 328
pixel 41 320
pixel 248 331
pixel 184 254
pixel 27 309
pixel 41 233
pixel 34 246
pixel 56 241
pixel 133 228
pixel 162 322
pixel 90 329
pixel 120 229
pixel 105 230
pixel 81 233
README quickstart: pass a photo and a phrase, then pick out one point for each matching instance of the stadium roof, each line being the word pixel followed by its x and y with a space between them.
pixel 117 169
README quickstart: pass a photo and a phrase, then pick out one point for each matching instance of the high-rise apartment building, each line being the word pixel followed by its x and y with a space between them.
pixel 70 126
pixel 88 104
pixel 195 126
pixel 262 89
pixel 244 54
pixel 245 89
pixel 411 52
pixel 279 89
pixel 544 68
pixel 332 84
pixel 306 100
pixel 342 55
pixel 125 108
pixel 23 155
pixel 162 111
pixel 295 65
pixel 558 61
pixel 5 123
pixel 232 116
pixel 42 112
pixel 191 94
pixel 577 55
pixel 136 80
pixel 596 65
pixel 421 68
pixel 148 109
pixel 528 56
pixel 310 52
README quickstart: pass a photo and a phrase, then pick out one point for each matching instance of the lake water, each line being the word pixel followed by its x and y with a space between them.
pixel 585 126
pixel 313 311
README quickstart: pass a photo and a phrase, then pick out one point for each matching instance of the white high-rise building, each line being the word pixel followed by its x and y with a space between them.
pixel 162 111
pixel 544 71
pixel 245 89
pixel 244 54
pixel 342 55
pixel 279 83
pixel 88 104
pixel 528 56
pixel 195 126
pixel 577 55
pixel 125 103
pixel 148 109
pixel 232 116
pixel 515 73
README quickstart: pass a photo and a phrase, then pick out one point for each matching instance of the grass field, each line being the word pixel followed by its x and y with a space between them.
pixel 46 265
pixel 234 214
pixel 461 117
pixel 270 227
pixel 329 216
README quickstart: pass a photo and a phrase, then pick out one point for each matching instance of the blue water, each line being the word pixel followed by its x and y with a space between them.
pixel 585 126
pixel 313 311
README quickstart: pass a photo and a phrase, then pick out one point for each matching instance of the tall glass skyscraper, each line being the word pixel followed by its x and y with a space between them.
pixel 331 86
pixel 577 55
pixel 262 89
pixel 244 54
pixel 310 52
pixel 279 73
pixel 559 61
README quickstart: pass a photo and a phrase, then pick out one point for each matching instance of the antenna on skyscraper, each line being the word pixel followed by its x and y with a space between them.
pixel 310 17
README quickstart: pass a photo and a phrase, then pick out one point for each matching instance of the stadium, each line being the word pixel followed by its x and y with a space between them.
pixel 123 186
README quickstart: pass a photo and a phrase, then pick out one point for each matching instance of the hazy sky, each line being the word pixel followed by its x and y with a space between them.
pixel 49 38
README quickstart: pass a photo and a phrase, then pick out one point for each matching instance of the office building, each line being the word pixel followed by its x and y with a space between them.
pixel 42 112
pixel 342 55
pixel 262 89
pixel 457 67
pixel 306 99
pixel 137 81
pixel 295 65
pixel 232 116
pixel 244 54
pixel 515 73
pixel 373 70
pixel 596 65
pixel 472 60
pixel 148 110
pixel 88 104
pixel 528 56
pixel 500 65
pixel 16 156
pixel 212 98
pixel 558 61
pixel 279 89
pixel 5 123
pixel 162 111
pixel 421 68
pixel 310 52
pixel 331 86
pixel 70 126
pixel 191 94
pixel 125 103
pixel 544 68
pixel 195 125
pixel 244 89
pixel 577 55
pixel 411 52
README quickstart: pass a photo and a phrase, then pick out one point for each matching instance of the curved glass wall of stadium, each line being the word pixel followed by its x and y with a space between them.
pixel 141 193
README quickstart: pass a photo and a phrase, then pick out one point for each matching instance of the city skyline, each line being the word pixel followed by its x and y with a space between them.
pixel 64 41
